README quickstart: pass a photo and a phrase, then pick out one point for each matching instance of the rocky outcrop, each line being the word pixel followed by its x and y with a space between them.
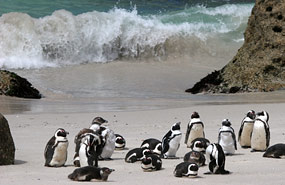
pixel 7 147
pixel 259 64
pixel 13 85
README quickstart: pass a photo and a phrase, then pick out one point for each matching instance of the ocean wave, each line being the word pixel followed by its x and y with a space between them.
pixel 66 39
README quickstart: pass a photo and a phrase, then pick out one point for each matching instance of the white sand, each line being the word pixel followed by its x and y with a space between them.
pixel 32 131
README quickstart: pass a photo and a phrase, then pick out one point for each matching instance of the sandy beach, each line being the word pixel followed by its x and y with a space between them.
pixel 32 131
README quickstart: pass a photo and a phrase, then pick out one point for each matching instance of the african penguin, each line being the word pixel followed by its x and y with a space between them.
pixel 90 149
pixel 186 169
pixel 227 138
pixel 260 135
pixel 153 144
pixel 200 144
pixel 245 131
pixel 109 142
pixel 136 154
pixel 196 157
pixel 151 162
pixel 56 149
pixel 216 159
pixel 88 173
pixel 171 141
pixel 195 129
pixel 120 142
pixel 97 122
pixel 275 151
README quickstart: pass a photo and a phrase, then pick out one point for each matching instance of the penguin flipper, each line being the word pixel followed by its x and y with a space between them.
pixel 187 134
pixel 49 151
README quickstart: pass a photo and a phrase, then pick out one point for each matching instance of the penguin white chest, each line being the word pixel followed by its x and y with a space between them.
pixel 60 154
pixel 83 155
pixel 196 131
pixel 174 145
pixel 246 134
pixel 258 139
pixel 227 142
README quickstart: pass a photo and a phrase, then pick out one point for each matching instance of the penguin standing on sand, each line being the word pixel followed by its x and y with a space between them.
pixel 216 159
pixel 90 149
pixel 260 135
pixel 56 149
pixel 120 142
pixel 245 131
pixel 153 144
pixel 171 141
pixel 187 169
pixel 195 129
pixel 88 173
pixel 227 138
pixel 109 139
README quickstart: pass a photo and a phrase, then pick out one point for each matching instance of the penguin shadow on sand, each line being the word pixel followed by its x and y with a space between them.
pixel 19 162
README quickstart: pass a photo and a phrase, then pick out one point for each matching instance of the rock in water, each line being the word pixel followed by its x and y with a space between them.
pixel 7 147
pixel 259 64
pixel 13 85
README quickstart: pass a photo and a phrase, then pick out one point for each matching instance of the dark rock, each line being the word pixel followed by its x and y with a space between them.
pixel 259 64
pixel 7 147
pixel 13 85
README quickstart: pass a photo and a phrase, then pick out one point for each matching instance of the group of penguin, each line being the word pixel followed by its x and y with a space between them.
pixel 99 142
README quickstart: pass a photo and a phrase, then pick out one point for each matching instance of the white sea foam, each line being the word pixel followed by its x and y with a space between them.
pixel 65 39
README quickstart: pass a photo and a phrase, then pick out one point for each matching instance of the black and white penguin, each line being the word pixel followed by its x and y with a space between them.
pixel 196 157
pixel 227 138
pixel 200 144
pixel 56 149
pixel 187 169
pixel 109 139
pixel 216 159
pixel 97 122
pixel 136 154
pixel 245 131
pixel 275 151
pixel 171 141
pixel 90 149
pixel 151 162
pixel 260 135
pixel 88 173
pixel 153 144
pixel 120 142
pixel 195 129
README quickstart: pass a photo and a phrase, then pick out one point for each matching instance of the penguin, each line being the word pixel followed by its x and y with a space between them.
pixel 186 169
pixel 78 141
pixel 120 142
pixel 89 150
pixel 171 141
pixel 260 135
pixel 88 173
pixel 275 151
pixel 216 159
pixel 196 157
pixel 136 154
pixel 97 122
pixel 56 149
pixel 245 131
pixel 153 144
pixel 227 138
pixel 109 139
pixel 195 129
pixel 200 144
pixel 151 162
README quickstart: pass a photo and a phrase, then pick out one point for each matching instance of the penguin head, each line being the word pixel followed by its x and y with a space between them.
pixel 146 160
pixel 146 151
pixel 120 139
pixel 195 115
pixel 91 139
pixel 98 121
pixel 193 169
pixel 105 172
pixel 176 126
pixel 263 115
pixel 60 133
pixel 251 114
pixel 226 122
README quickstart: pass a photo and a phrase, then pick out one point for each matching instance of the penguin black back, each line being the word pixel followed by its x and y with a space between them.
pixel 88 173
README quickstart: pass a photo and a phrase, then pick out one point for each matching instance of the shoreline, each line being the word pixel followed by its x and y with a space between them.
pixel 31 131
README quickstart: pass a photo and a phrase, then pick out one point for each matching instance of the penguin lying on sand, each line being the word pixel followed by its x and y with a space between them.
pixel 153 144
pixel 275 151
pixel 120 142
pixel 88 173
pixel 136 154
pixel 56 149
pixel 196 157
pixel 151 162
pixel 186 169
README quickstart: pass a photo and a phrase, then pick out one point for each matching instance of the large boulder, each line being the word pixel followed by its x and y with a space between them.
pixel 7 147
pixel 259 64
pixel 13 85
